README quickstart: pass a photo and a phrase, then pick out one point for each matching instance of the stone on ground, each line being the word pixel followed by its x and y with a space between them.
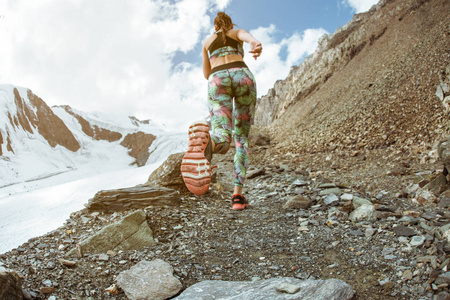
pixel 274 289
pixel 140 196
pixel 130 233
pixel 149 280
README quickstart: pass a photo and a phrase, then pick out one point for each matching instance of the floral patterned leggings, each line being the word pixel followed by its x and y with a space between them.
pixel 224 86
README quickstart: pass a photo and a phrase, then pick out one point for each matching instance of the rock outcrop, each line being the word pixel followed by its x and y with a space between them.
pixel 140 196
pixel 443 88
pixel 130 233
pixel 370 85
pixel 138 143
pixel 92 130
pixel 32 114
pixel 169 173
pixel 10 285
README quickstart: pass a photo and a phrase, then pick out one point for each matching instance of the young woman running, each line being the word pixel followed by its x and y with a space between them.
pixel 229 82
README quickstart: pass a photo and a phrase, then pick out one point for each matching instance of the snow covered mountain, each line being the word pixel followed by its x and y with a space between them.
pixel 53 160
pixel 37 141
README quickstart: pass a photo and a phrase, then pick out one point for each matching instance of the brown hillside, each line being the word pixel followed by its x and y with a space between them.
pixel 367 96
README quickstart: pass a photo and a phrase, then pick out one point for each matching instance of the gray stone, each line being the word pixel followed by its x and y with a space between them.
pixel 437 185
pixel 356 232
pixel 446 102
pixel 363 213
pixel 443 278
pixel 404 231
pixel 443 296
pixel 267 289
pixel 299 182
pixel 256 173
pixel 369 232
pixel 417 240
pixel 130 233
pixel 443 150
pixel 445 87
pixel 133 198
pixel 336 191
pixel 288 288
pixel 347 197
pixel 298 202
pixel 357 202
pixel 439 93
pixel 331 199
pixel 327 186
pixel 443 229
pixel 149 280
pixel 169 173
pixel 445 199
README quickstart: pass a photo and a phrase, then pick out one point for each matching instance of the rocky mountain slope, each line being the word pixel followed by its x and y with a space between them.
pixel 344 184
pixel 37 141
pixel 370 93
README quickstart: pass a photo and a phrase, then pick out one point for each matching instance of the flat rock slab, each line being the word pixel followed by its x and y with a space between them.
pixel 149 280
pixel 274 289
pixel 130 233
pixel 140 196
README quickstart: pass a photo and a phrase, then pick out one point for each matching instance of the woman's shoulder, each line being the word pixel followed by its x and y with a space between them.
pixel 234 34
pixel 209 40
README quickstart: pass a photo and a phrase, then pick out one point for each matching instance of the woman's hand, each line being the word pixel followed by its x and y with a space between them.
pixel 256 48
pixel 255 45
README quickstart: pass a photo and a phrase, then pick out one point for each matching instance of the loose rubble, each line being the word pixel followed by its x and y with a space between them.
pixel 397 250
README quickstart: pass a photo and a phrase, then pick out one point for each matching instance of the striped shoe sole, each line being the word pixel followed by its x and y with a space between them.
pixel 195 168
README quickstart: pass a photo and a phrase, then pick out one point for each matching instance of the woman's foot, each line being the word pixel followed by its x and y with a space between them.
pixel 195 166
pixel 239 202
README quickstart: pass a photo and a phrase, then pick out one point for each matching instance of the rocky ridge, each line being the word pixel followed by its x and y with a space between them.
pixel 371 85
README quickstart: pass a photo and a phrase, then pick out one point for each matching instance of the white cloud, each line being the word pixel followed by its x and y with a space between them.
pixel 360 5
pixel 117 56
pixel 271 66
pixel 112 56
pixel 222 4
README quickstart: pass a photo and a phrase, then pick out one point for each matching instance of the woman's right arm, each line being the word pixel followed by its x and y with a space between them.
pixel 255 45
pixel 206 63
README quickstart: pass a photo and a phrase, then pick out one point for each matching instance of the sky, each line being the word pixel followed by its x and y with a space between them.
pixel 142 58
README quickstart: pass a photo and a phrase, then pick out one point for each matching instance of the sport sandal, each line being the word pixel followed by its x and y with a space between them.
pixel 239 202
pixel 195 167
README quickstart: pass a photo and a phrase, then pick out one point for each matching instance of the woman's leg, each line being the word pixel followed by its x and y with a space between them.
pixel 220 102
pixel 245 100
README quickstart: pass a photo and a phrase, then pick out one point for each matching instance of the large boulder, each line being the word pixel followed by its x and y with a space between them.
pixel 10 285
pixel 149 280
pixel 444 153
pixel 169 173
pixel 130 233
pixel 274 288
pixel 140 196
